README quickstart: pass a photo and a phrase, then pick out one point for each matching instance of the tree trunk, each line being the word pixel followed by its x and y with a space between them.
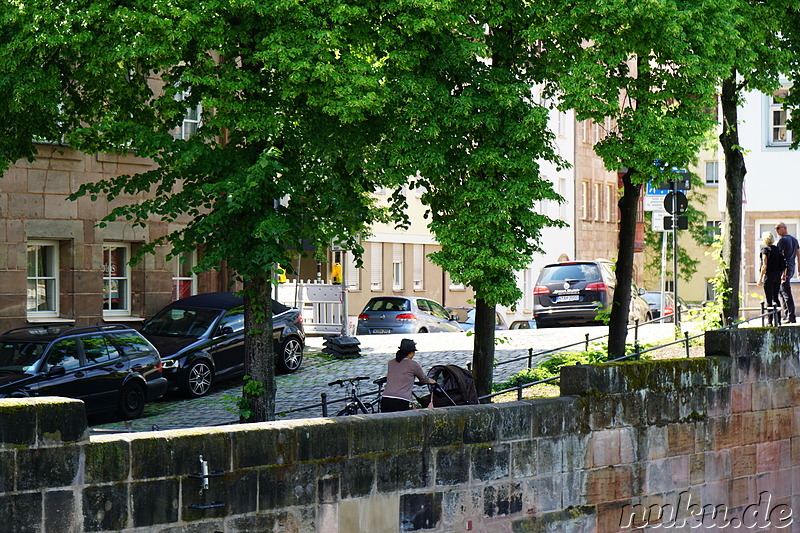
pixel 259 349
pixel 734 185
pixel 618 326
pixel 483 351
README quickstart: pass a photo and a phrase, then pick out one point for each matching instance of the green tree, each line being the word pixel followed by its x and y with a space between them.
pixel 653 68
pixel 473 138
pixel 291 101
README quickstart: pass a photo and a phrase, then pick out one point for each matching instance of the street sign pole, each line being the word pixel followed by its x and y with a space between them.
pixel 675 210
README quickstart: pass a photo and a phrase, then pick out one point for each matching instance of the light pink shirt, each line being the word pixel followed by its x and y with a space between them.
pixel 400 378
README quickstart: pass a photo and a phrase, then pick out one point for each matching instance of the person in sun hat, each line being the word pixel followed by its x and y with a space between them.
pixel 400 376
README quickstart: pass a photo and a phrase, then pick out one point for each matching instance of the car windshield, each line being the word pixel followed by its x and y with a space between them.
pixel 653 298
pixel 388 304
pixel 181 322
pixel 465 316
pixel 20 356
pixel 576 272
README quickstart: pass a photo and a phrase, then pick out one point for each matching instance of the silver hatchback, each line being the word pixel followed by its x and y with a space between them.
pixel 399 314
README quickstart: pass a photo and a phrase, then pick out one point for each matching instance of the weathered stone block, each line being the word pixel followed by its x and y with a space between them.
pixel 60 515
pixel 546 492
pixel 556 416
pixel 490 462
pixel 481 424
pixel 523 459
pixel 404 471
pixel 255 445
pixel 390 432
pixel 156 502
pixel 357 476
pixel 502 500
pixel 322 438
pixel 241 492
pixel 39 468
pixel 22 512
pixel 516 419
pixel 549 454
pixel 106 459
pixel 286 486
pixel 105 507
pixel 39 421
pixel 286 521
pixel 420 511
pixel 452 465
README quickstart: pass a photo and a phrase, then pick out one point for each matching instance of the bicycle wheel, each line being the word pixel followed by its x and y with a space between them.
pixel 347 411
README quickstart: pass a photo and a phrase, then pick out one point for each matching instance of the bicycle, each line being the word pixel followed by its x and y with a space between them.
pixel 354 404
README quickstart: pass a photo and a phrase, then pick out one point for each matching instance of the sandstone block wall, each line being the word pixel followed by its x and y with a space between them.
pixel 638 444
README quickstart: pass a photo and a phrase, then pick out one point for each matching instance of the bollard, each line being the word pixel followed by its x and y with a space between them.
pixel 636 331
pixel 587 343
pixel 530 358
pixel 324 404
pixel 763 312
pixel 686 337
pixel 519 388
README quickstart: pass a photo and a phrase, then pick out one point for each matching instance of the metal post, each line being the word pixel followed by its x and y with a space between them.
pixel 587 342
pixel 530 357
pixel 675 216
pixel 344 293
pixel 519 388
pixel 762 314
pixel 324 404
pixel 686 340
pixel 636 331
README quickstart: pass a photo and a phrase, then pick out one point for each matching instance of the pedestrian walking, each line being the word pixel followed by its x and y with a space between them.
pixel 790 249
pixel 773 266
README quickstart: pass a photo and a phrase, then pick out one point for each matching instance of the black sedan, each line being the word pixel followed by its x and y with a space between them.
pixel 201 340
pixel 110 368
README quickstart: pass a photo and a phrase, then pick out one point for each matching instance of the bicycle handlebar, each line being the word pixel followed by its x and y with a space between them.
pixel 341 382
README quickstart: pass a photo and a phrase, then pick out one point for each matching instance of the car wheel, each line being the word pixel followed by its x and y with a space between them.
pixel 131 401
pixel 198 379
pixel 648 318
pixel 423 330
pixel 290 355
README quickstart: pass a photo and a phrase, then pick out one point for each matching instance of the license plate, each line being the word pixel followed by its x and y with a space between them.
pixel 568 298
pixel 381 331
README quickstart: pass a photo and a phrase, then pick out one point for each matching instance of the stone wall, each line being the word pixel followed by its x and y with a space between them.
pixel 626 445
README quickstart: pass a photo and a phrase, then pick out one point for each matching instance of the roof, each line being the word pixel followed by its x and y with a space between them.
pixel 220 300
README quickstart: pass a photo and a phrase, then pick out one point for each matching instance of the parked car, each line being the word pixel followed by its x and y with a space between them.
pixel 201 340
pixel 573 292
pixel 110 368
pixel 400 314
pixel 466 318
pixel 523 324
pixel 653 298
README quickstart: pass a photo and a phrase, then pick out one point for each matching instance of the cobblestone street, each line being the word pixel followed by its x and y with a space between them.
pixel 305 387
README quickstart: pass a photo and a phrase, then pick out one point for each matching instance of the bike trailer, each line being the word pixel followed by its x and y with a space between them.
pixel 454 386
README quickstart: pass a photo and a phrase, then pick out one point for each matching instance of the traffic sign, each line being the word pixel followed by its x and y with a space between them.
pixel 676 203
pixel 683 222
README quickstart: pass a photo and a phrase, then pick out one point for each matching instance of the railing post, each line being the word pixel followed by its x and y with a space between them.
pixel 324 404
pixel 762 314
pixel 636 331
pixel 686 340
pixel 530 358
pixel 587 343
pixel 519 388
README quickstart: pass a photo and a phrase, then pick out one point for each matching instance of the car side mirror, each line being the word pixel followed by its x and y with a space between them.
pixel 454 318
pixel 641 292
pixel 224 330
pixel 55 371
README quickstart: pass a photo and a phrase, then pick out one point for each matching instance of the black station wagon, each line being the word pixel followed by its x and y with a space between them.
pixel 111 368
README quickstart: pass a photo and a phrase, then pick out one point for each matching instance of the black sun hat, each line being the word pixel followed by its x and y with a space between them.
pixel 408 345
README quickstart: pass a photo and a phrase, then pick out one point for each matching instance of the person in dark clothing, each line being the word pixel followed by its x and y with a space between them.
pixel 773 266
pixel 790 249
pixel 400 377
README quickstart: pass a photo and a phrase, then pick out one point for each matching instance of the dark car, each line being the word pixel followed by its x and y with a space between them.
pixel 572 292
pixel 466 318
pixel 401 314
pixel 110 368
pixel 201 340
pixel 653 299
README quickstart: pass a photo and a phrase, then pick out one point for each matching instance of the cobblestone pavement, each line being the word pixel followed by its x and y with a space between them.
pixel 305 387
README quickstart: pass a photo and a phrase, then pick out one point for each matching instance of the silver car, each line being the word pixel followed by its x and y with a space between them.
pixel 399 314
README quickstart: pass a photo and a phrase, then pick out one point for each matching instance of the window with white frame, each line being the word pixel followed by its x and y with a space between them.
pixel 713 229
pixel 419 267
pixel 712 173
pixel 116 279
pixel 191 120
pixel 779 134
pixel 397 266
pixel 585 130
pixel 598 200
pixel 352 273
pixel 376 266
pixel 453 285
pixel 184 280
pixel 611 203
pixel 596 126
pixel 43 287
pixel 584 200
pixel 561 117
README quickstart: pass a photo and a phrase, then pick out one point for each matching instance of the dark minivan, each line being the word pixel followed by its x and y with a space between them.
pixel 111 368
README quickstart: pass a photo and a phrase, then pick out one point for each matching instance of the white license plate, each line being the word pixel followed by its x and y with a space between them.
pixel 568 298
pixel 381 331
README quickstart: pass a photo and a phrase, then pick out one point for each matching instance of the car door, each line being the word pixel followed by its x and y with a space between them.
pixel 63 371
pixel 227 346
pixel 104 372
pixel 443 322
pixel 425 317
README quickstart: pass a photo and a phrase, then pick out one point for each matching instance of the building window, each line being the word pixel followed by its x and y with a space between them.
pixel 42 279
pixel 397 267
pixel 352 272
pixel 779 135
pixel 376 266
pixel 419 267
pixel 713 229
pixel 585 130
pixel 711 294
pixel 598 201
pixel 453 285
pixel 584 200
pixel 184 280
pixel 611 203
pixel 712 173
pixel 191 120
pixel 561 117
pixel 596 126
pixel 116 279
